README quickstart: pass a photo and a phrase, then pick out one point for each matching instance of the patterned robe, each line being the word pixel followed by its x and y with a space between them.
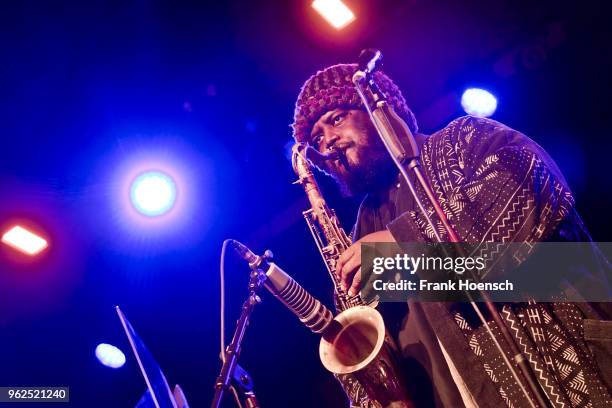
pixel 494 185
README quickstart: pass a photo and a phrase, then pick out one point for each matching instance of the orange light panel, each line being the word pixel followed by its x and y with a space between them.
pixel 335 12
pixel 23 240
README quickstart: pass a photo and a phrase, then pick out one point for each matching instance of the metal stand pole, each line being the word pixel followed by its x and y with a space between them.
pixel 244 384
pixel 233 350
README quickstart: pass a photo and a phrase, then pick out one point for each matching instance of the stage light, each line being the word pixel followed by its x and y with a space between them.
pixel 110 355
pixel 335 12
pixel 23 240
pixel 478 102
pixel 153 193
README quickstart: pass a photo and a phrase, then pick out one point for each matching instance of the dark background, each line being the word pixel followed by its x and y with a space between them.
pixel 89 89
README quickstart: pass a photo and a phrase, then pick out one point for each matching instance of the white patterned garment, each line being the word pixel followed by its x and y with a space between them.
pixel 495 185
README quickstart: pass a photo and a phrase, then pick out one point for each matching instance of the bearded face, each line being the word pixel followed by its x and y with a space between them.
pixel 363 164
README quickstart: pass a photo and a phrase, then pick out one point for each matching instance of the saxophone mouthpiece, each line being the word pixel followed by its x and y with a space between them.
pixel 317 157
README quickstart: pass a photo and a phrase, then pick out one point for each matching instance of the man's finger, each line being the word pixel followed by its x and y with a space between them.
pixel 345 256
pixel 354 289
pixel 338 270
pixel 349 269
pixel 343 260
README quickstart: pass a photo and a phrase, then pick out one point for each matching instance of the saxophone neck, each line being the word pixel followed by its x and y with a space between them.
pixel 303 169
pixel 299 161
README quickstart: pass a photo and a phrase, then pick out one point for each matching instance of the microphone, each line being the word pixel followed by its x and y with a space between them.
pixel 370 59
pixel 243 251
pixel 309 310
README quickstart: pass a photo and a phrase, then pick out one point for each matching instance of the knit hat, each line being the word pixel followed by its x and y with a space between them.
pixel 333 88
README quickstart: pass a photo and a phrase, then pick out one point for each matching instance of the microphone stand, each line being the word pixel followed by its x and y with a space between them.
pixel 387 124
pixel 244 384
pixel 228 369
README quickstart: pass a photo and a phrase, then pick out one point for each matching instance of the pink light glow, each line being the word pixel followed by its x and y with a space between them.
pixel 23 240
pixel 335 12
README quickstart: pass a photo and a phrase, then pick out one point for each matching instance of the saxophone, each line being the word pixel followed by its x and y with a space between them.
pixel 359 352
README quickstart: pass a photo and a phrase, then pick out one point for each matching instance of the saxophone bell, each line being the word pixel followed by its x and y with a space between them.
pixel 356 343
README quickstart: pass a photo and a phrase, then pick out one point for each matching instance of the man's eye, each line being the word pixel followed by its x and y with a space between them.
pixel 338 118
pixel 317 140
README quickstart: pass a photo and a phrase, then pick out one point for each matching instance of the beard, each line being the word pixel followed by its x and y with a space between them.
pixel 371 170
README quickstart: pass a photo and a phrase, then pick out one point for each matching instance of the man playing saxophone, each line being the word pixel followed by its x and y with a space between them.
pixel 494 184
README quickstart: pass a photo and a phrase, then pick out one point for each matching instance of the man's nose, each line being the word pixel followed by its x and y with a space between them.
pixel 330 137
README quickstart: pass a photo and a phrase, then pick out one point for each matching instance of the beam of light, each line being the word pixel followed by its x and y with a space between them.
pixel 23 240
pixel 335 12
pixel 110 355
pixel 478 102
pixel 153 193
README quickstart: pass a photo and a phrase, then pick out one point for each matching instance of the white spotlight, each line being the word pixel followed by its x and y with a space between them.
pixel 110 355
pixel 478 102
pixel 24 240
pixel 335 12
pixel 153 193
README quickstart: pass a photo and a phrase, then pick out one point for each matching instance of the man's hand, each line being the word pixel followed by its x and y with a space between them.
pixel 348 268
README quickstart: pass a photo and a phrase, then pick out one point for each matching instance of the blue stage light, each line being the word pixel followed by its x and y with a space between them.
pixel 478 102
pixel 110 355
pixel 153 193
